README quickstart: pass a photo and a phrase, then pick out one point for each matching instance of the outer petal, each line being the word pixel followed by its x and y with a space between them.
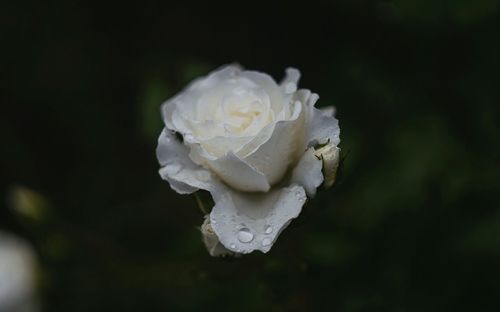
pixel 328 110
pixel 308 172
pixel 179 170
pixel 220 74
pixel 246 222
pixel 290 82
pixel 323 128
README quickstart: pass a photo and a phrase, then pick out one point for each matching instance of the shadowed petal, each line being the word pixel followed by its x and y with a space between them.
pixel 183 175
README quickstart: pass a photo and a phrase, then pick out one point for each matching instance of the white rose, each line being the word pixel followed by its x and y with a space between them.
pixel 251 143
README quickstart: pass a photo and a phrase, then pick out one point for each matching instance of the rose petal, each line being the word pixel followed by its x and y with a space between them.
pixel 323 129
pixel 263 166
pixel 260 138
pixel 275 155
pixel 308 173
pixel 238 173
pixel 328 110
pixel 178 169
pixel 290 82
pixel 222 73
pixel 270 86
pixel 189 96
pixel 322 126
pixel 246 222
pixel 219 145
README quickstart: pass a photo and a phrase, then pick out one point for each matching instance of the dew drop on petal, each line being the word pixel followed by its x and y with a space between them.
pixel 300 196
pixel 268 229
pixel 233 246
pixel 266 242
pixel 245 236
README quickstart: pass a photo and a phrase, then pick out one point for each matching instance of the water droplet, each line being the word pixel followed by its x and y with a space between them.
pixel 300 196
pixel 268 229
pixel 266 241
pixel 233 246
pixel 245 236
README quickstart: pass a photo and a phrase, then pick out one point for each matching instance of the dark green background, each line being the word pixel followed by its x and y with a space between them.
pixel 413 223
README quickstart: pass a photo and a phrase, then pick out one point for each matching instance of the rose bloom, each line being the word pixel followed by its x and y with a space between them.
pixel 257 146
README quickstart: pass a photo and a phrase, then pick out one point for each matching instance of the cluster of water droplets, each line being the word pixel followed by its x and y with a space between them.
pixel 246 236
pixel 301 196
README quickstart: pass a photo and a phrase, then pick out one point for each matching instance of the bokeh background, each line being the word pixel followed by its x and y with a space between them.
pixel 413 223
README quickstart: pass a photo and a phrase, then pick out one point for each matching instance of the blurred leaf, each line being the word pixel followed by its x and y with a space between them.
pixel 29 204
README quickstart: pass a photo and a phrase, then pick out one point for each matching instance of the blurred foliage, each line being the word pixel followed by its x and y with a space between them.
pixel 412 224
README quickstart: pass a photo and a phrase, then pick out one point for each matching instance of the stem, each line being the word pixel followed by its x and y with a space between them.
pixel 200 204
